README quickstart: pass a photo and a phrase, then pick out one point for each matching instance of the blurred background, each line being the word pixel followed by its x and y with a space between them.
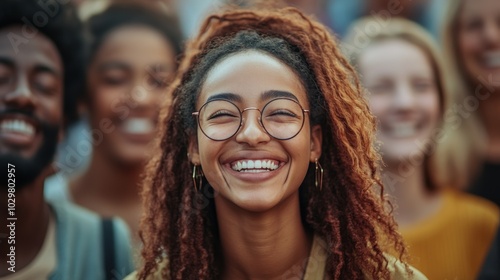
pixel 439 124
pixel 338 15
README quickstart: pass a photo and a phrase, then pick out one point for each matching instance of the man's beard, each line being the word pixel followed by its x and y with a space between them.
pixel 26 170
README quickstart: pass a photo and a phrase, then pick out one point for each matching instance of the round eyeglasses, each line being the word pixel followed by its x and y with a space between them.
pixel 281 118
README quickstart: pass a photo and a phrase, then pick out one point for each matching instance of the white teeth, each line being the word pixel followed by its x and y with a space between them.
pixel 403 130
pixel 255 166
pixel 492 59
pixel 18 126
pixel 138 126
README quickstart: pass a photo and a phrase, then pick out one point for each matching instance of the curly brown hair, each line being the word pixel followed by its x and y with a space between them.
pixel 179 222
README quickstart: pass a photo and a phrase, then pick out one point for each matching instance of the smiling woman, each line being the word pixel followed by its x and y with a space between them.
pixel 402 72
pixel 132 58
pixel 471 40
pixel 271 119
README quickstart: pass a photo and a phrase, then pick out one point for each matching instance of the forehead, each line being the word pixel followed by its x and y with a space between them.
pixel 27 52
pixel 136 45
pixel 394 57
pixel 249 74
pixel 479 8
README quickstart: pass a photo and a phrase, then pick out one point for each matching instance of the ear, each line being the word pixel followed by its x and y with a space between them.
pixel 193 153
pixel 316 142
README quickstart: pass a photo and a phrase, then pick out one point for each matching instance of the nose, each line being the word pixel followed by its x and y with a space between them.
pixel 491 33
pixel 21 97
pixel 403 98
pixel 143 98
pixel 252 132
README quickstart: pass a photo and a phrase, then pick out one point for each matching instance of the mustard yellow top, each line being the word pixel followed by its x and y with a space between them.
pixel 316 264
pixel 453 243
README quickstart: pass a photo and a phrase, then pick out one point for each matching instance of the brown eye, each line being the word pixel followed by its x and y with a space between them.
pixel 6 75
pixel 158 76
pixel 46 83
pixel 380 88
pixel 473 24
pixel 114 78
pixel 420 87
pixel 158 81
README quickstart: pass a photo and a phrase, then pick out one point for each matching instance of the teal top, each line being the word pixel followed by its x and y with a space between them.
pixel 79 244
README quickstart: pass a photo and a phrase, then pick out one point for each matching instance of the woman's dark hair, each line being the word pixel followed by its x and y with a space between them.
pixel 243 41
pixel 118 15
pixel 60 23
pixel 179 221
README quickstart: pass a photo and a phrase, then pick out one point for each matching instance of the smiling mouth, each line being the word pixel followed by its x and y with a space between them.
pixel 255 166
pixel 491 59
pixel 138 126
pixel 17 126
pixel 403 130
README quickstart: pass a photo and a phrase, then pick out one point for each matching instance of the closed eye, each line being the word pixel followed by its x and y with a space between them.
pixel 221 114
pixel 282 112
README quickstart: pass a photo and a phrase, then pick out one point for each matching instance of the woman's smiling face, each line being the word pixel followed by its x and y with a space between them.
pixel 403 96
pixel 251 169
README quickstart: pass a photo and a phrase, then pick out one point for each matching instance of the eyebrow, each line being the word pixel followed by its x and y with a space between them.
pixel 226 96
pixel 272 94
pixel 47 69
pixel 113 65
pixel 266 95
pixel 43 68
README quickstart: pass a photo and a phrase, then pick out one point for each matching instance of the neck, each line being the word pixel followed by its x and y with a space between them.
pixel 408 193
pixel 108 181
pixel 266 245
pixel 490 114
pixel 28 224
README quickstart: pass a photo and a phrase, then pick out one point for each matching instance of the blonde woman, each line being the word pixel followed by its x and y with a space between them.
pixel 472 146
pixel 448 232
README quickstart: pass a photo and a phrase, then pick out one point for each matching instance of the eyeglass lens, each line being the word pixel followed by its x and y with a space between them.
pixel 221 119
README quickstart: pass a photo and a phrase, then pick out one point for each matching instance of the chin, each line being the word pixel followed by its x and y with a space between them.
pixel 259 202
pixel 256 206
pixel 130 159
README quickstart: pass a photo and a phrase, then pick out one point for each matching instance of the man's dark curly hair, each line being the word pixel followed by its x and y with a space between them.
pixel 59 23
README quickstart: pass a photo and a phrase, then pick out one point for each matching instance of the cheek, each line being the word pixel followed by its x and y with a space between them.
pixel 378 105
pixel 468 43
pixel 300 146
pixel 54 108
pixel 103 100
pixel 208 151
pixel 430 103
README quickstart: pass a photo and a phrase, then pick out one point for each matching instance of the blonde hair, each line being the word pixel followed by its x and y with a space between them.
pixel 461 150
pixel 369 30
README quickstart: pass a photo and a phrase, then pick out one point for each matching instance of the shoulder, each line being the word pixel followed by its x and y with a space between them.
pixel 80 239
pixel 398 270
pixel 70 215
pixel 475 209
pixel 56 188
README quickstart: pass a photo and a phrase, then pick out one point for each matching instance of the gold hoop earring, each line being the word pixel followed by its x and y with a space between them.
pixel 197 177
pixel 318 175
